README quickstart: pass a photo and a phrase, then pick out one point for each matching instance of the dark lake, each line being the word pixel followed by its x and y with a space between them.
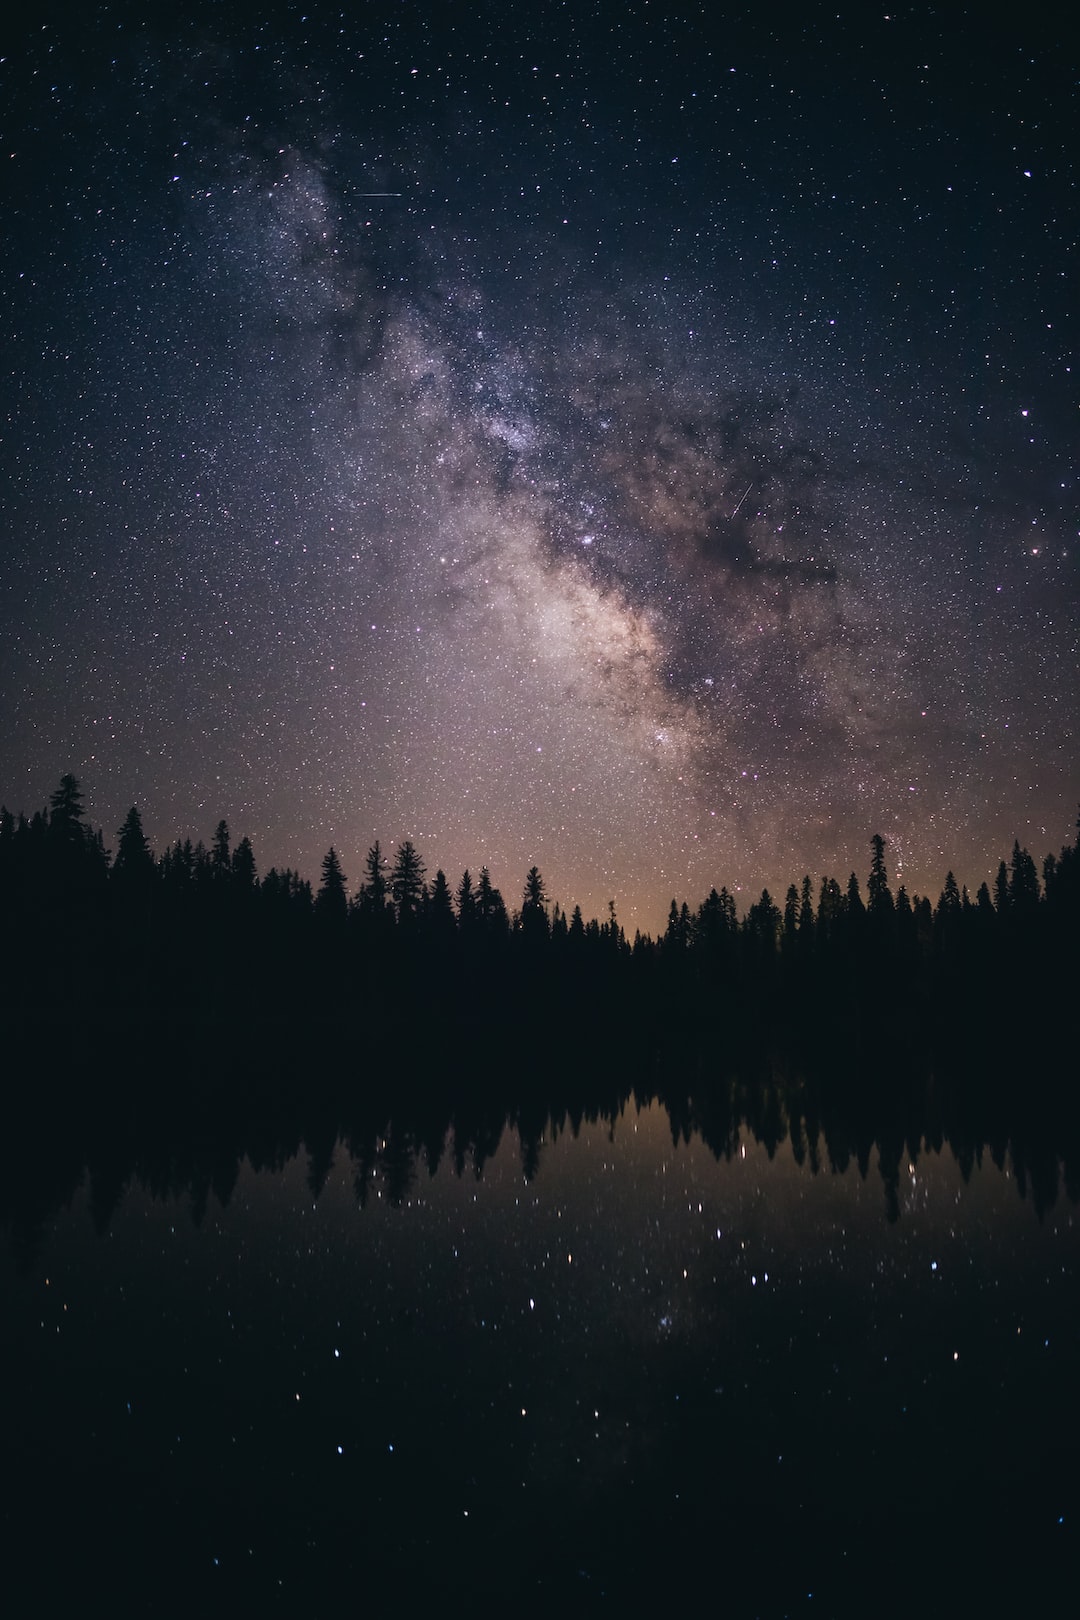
pixel 639 1374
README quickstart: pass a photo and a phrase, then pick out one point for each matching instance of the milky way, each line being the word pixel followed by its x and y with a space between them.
pixel 642 454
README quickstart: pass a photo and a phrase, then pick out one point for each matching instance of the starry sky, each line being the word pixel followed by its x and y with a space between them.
pixel 637 440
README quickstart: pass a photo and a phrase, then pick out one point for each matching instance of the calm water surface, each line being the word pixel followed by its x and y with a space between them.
pixel 640 1369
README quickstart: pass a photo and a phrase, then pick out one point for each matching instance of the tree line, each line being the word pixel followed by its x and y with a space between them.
pixel 197 933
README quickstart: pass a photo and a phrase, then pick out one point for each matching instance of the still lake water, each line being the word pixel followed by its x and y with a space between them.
pixel 642 1369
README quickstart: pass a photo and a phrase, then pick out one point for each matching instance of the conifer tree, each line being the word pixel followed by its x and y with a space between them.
pixel 534 921
pixel 66 810
pixel 407 881
pixel 1023 880
pixel 331 902
pixel 244 874
pixel 374 890
pixel 853 900
pixel 806 914
pixel 1001 889
pixel 439 912
pixel 880 900
pixel 466 902
pixel 133 862
pixel 219 853
pixel 791 916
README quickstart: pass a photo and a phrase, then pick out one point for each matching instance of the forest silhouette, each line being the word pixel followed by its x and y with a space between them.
pixel 196 936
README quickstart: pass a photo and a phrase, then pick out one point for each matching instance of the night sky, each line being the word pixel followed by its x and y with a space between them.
pixel 637 440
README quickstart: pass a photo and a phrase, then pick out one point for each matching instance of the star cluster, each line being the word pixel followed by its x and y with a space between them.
pixel 636 445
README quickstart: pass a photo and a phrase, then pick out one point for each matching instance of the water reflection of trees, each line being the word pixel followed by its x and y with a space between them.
pixel 182 1139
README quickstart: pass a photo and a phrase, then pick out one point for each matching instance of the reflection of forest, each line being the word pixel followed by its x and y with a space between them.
pixel 177 1140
